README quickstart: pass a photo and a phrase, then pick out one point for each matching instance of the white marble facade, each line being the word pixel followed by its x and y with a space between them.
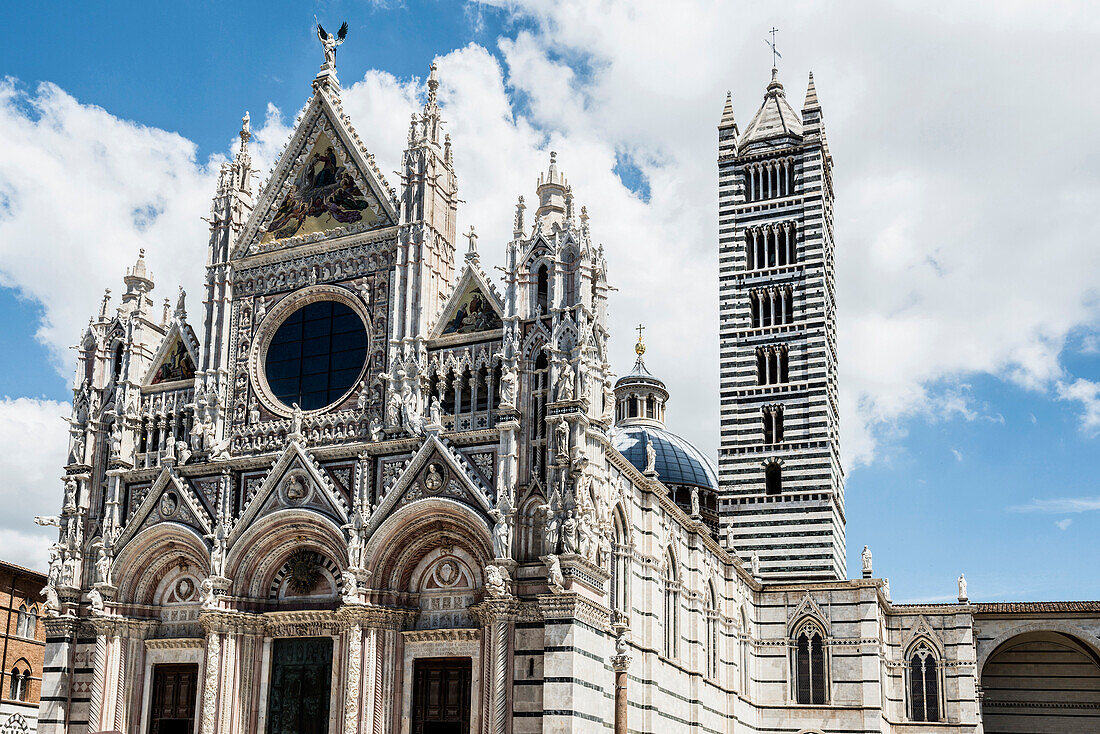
pixel 454 495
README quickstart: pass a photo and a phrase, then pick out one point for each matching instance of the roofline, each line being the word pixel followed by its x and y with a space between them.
pixel 9 566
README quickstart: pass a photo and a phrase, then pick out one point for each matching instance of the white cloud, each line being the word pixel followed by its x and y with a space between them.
pixel 965 192
pixel 1059 505
pixel 1087 393
pixel 1063 524
pixel 957 454
pixel 33 437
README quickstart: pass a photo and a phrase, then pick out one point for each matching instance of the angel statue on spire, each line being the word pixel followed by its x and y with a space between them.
pixel 330 42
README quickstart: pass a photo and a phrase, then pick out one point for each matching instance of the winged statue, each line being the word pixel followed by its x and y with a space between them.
pixel 330 42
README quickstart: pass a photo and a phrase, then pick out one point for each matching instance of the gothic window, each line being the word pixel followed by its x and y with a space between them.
pixel 712 631
pixel 809 665
pixel 539 395
pixel 771 365
pixel 116 362
pixel 569 276
pixel 620 566
pixel 773 479
pixel 465 392
pixel 19 687
pixel 27 621
pixel 772 418
pixel 924 688
pixel 672 607
pixel 532 520
pixel 482 397
pixel 542 289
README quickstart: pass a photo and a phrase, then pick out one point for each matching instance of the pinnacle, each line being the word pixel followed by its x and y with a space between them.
pixel 727 113
pixel 811 95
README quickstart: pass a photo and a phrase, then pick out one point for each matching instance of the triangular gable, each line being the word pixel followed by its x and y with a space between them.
pixel 168 500
pixel 295 481
pixel 807 607
pixel 922 630
pixel 408 487
pixel 176 358
pixel 472 307
pixel 324 185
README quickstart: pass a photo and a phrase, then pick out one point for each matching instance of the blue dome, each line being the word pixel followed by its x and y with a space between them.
pixel 678 462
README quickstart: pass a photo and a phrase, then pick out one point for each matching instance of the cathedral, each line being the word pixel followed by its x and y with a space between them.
pixel 366 487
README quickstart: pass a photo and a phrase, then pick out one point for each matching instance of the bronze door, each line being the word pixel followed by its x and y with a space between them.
pixel 301 676
pixel 441 696
pixel 173 700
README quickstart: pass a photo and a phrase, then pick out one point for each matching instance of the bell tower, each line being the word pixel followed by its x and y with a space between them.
pixel 781 496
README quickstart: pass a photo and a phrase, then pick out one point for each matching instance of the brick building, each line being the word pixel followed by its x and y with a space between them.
pixel 23 646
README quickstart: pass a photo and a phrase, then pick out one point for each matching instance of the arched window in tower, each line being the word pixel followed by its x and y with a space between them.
pixel 711 613
pixel 569 276
pixel 540 392
pixel 773 479
pixel 808 664
pixel 650 407
pixel 116 362
pixel 27 621
pixel 924 684
pixel 672 606
pixel 542 289
pixel 772 419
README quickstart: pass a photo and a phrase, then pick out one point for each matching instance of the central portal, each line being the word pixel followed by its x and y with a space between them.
pixel 441 696
pixel 301 676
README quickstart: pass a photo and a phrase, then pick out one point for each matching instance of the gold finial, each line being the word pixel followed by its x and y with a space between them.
pixel 639 348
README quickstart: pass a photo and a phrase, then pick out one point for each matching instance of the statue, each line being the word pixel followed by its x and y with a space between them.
pixel 70 495
pixel 549 530
pixel 502 534
pixel 116 438
pixel 364 293
pixel 261 308
pixel 295 490
pixel 435 412
pixel 650 457
pixel 622 645
pixel 410 411
pixel 865 557
pixel 68 569
pixel 361 401
pixel 584 535
pixel 96 600
pixel 217 553
pixel 53 602
pixel 496 582
pixel 76 454
pixel 569 534
pixel 554 575
pixel 206 594
pixel 182 451
pixel 695 502
pixel 755 563
pixel 508 382
pixel 253 412
pixel 196 436
pixel 561 440
pixel 565 384
pixel 886 589
pixel 962 588
pixel 350 591
pixel 103 567
pixel 330 42
pixel 54 573
pixel 375 429
pixel 296 419
pixel 47 521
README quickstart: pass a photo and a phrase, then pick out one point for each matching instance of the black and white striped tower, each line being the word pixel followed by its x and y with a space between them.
pixel 781 494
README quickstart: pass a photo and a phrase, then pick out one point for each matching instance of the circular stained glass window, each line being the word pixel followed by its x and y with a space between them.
pixel 316 355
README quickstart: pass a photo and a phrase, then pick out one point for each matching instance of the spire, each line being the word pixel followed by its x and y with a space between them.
pixel 518 225
pixel 775 119
pixel 551 191
pixel 648 392
pixel 138 282
pixel 727 114
pixel 431 117
pixel 811 102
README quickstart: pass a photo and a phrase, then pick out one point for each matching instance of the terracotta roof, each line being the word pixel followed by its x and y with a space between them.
pixel 7 565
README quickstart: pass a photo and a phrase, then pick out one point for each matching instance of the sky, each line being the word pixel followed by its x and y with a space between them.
pixel 968 272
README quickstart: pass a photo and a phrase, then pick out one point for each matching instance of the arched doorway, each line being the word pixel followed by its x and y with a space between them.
pixel 1041 682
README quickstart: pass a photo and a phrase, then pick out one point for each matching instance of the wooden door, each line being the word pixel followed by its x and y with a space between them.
pixel 441 696
pixel 173 700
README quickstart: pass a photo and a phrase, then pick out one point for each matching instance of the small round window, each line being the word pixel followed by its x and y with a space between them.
pixel 316 355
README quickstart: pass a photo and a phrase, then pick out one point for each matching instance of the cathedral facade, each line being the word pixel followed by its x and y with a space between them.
pixel 368 488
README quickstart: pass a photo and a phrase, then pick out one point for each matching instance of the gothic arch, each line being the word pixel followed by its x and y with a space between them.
pixel 260 551
pixel 401 542
pixel 152 554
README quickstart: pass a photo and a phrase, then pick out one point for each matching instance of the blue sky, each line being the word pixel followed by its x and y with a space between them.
pixel 968 273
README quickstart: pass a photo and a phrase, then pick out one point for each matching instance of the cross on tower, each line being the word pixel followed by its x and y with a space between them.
pixel 640 330
pixel 775 53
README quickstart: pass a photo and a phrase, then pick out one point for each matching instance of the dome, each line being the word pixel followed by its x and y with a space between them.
pixel 678 462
